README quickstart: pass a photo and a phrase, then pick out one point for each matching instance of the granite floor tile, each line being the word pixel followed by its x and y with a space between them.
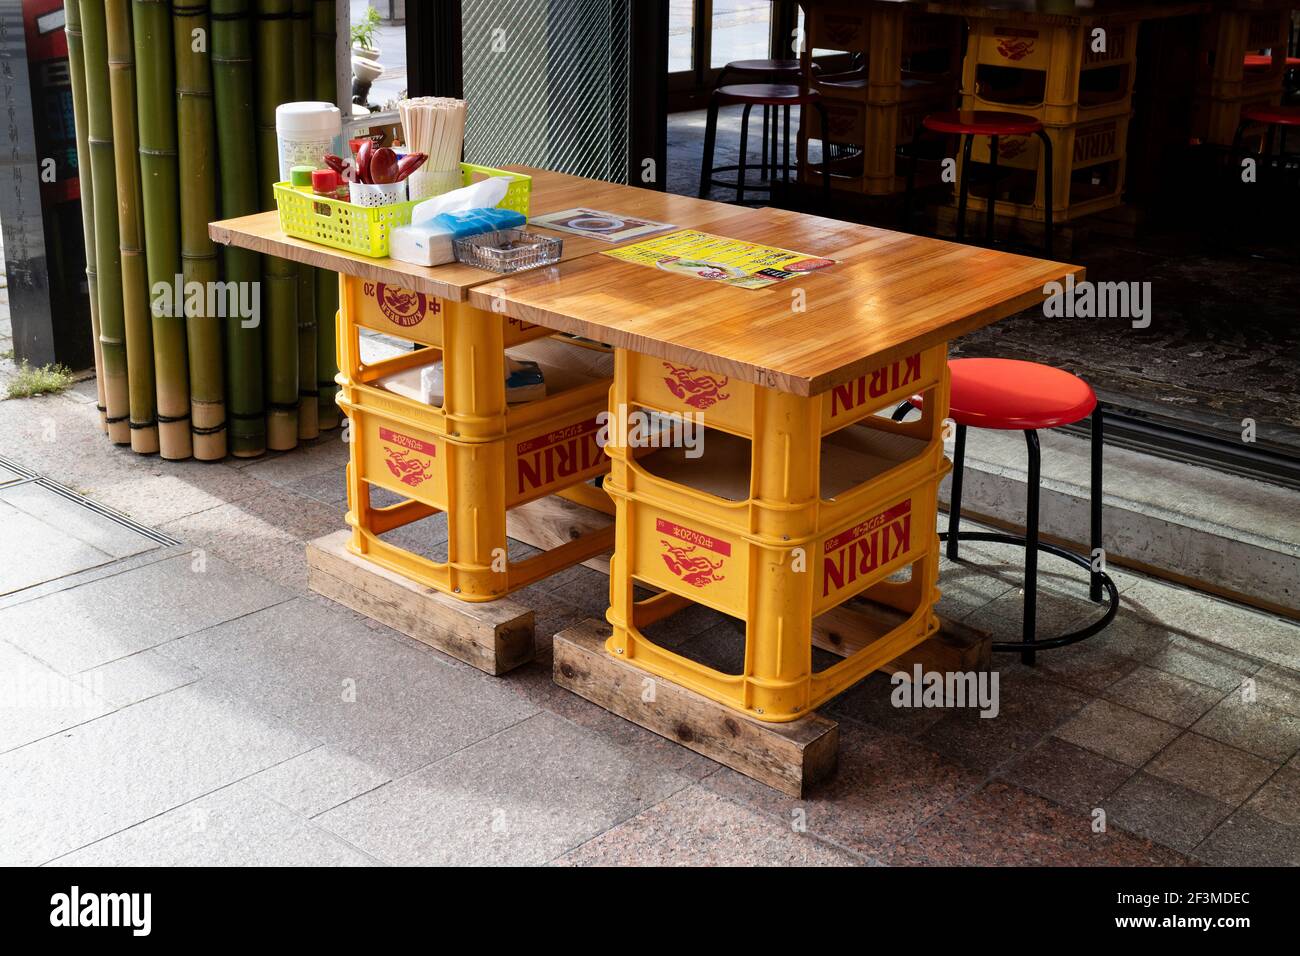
pixel 64 792
pixel 119 615
pixel 535 683
pixel 1253 727
pixel 1211 768
pixel 1164 812
pixel 78 521
pixel 235 826
pixel 1247 839
pixel 59 554
pixel 318 780
pixel 696 827
pixel 1073 777
pixel 1116 732
pixel 1279 799
pixel 1085 666
pixel 1002 825
pixel 328 453
pixel 392 704
pixel 129 680
pixel 1173 699
pixel 1278 688
pixel 1203 663
pixel 477 807
pixel 1131 635
pixel 1232 626
pixel 36 700
pixel 172 490
pixel 980 744
pixel 240 529
pixel 870 701
pixel 883 789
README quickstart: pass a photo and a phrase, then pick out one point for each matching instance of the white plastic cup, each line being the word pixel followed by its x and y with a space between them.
pixel 377 194
pixel 305 132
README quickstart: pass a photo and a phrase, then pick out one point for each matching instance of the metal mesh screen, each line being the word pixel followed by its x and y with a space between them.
pixel 547 84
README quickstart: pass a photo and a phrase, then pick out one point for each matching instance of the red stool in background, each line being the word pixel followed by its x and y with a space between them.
pixel 751 95
pixel 1025 396
pixel 1274 118
pixel 968 124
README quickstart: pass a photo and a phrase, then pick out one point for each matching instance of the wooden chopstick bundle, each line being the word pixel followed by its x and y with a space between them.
pixel 434 125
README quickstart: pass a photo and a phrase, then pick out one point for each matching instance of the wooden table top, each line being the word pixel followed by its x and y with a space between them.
pixel 551 192
pixel 891 293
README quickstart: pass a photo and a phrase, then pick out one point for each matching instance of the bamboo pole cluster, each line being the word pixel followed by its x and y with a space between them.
pixel 174 102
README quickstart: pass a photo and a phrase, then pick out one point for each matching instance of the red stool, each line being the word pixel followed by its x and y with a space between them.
pixel 971 123
pixel 1274 118
pixel 751 95
pixel 1025 396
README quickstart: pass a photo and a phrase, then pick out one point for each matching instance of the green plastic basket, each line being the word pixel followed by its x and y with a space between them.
pixel 365 229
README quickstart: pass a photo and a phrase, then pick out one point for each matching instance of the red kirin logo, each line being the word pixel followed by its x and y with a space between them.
pixel 1012 146
pixel 695 569
pixel 696 388
pixel 1015 49
pixel 407 468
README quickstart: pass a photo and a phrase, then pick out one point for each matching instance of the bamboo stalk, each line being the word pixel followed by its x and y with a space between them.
pixel 108 257
pixel 160 194
pixel 232 76
pixel 130 228
pixel 194 126
pixel 327 306
pixel 85 182
pixel 327 283
pixel 280 279
pixel 308 399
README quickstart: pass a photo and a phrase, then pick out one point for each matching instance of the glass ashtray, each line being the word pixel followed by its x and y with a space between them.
pixel 508 250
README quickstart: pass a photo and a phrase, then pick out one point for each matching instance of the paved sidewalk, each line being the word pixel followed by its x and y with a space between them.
pixel 194 703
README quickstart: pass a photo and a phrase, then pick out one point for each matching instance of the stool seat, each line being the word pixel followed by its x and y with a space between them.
pixel 1014 395
pixel 1271 115
pixel 1263 61
pixel 765 94
pixel 982 123
pixel 763 66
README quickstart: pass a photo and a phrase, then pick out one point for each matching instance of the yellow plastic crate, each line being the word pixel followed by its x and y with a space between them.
pixel 366 229
pixel 696 532
pixel 727 404
pixel 408 314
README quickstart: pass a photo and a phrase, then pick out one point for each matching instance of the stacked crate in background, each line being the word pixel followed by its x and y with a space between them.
pixel 1223 84
pixel 908 64
pixel 1078 81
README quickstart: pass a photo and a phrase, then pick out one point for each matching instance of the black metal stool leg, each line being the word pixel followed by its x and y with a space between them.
pixel 954 504
pixel 1095 500
pixel 786 166
pixel 826 153
pixel 744 146
pixel 1047 191
pixel 989 216
pixel 963 188
pixel 910 191
pixel 710 134
pixel 1030 630
pixel 766 112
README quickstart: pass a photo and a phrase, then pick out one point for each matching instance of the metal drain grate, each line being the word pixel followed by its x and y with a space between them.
pixel 25 476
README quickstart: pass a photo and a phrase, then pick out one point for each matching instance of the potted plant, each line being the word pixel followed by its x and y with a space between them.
pixel 363 35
